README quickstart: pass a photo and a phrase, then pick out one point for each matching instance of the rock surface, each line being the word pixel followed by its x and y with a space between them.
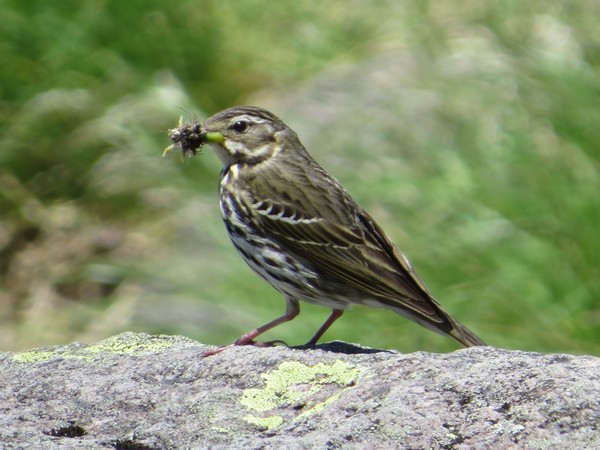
pixel 136 391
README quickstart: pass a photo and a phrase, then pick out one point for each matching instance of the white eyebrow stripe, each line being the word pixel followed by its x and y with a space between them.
pixel 249 118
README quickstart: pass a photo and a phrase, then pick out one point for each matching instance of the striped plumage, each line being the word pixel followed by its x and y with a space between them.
pixel 299 229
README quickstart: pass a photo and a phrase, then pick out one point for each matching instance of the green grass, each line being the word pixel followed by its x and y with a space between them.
pixel 469 130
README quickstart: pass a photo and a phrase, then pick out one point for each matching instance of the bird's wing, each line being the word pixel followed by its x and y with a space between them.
pixel 360 254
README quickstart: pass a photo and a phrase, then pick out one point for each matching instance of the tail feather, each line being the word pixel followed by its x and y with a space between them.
pixel 465 336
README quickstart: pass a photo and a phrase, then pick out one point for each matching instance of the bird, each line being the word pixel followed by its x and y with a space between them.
pixel 299 229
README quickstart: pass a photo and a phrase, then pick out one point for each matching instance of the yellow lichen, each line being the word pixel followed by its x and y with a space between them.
pixel 293 383
pixel 33 356
pixel 125 343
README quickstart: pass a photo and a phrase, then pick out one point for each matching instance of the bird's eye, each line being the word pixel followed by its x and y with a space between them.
pixel 240 126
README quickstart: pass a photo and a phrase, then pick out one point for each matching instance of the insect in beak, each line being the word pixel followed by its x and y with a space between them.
pixel 190 137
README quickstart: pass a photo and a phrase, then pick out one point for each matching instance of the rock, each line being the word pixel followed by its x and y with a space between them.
pixel 137 391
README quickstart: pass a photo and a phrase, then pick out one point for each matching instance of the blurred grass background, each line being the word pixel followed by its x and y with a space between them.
pixel 470 131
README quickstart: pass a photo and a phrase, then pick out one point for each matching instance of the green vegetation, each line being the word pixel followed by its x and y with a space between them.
pixel 483 165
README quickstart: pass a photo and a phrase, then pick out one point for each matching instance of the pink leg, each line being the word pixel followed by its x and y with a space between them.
pixel 335 315
pixel 292 309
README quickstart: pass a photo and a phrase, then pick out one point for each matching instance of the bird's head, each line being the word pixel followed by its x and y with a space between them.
pixel 245 134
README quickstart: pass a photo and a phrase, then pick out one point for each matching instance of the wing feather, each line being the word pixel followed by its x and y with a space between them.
pixel 360 254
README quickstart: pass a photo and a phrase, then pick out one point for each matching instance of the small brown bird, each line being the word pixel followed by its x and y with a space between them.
pixel 298 228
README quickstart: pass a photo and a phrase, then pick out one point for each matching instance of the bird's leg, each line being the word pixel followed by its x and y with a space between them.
pixel 335 315
pixel 292 309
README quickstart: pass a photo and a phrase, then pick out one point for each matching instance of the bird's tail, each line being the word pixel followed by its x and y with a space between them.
pixel 465 336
